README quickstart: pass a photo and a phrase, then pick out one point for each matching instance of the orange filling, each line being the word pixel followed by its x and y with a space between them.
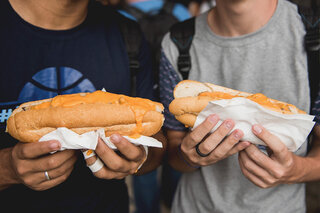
pixel 258 98
pixel 139 106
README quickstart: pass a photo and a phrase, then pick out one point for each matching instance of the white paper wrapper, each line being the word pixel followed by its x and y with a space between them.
pixel 292 129
pixel 89 140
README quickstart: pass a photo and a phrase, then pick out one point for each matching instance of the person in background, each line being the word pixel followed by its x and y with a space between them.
pixel 53 47
pixel 253 46
pixel 155 18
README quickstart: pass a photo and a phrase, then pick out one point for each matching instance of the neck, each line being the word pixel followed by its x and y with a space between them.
pixel 231 18
pixel 52 14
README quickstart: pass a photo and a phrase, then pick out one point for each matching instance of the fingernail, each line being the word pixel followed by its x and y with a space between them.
pixel 213 118
pixel 54 145
pixel 237 135
pixel 115 138
pixel 257 129
pixel 228 124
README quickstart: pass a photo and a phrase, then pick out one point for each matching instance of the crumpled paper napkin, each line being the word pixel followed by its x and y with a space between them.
pixel 292 129
pixel 89 140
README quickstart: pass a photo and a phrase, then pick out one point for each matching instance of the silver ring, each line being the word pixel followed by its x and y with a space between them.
pixel 46 174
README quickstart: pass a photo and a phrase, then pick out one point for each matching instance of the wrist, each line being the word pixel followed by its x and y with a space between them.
pixel 301 170
pixel 8 175
pixel 180 154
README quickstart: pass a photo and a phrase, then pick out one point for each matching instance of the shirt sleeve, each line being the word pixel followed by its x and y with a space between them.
pixel 316 109
pixel 168 80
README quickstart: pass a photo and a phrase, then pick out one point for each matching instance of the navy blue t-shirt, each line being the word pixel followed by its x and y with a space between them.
pixel 35 64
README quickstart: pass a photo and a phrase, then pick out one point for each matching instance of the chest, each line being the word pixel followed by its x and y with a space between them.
pixel 83 63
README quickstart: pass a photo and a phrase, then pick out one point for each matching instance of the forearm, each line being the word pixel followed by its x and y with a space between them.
pixel 155 155
pixel 7 174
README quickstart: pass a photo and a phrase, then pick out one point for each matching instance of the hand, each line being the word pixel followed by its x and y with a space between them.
pixel 31 160
pixel 281 166
pixel 118 166
pixel 216 145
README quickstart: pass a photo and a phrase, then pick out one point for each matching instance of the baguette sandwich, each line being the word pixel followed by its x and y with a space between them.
pixel 191 97
pixel 84 112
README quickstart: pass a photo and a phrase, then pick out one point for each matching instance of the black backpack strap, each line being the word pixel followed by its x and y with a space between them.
pixel 182 35
pixel 311 19
pixel 132 36
pixel 168 7
pixel 135 12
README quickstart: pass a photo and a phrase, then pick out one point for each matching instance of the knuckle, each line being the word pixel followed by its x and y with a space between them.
pixel 278 174
pixel 217 154
pixel 220 133
pixel 205 148
pixel 264 186
pixel 192 160
pixel 22 152
pixel 21 170
pixel 28 181
pixel 193 137
pixel 282 149
pixel 52 163
pixel 255 154
pixel 207 126
pixel 133 171
pixel 183 150
pixel 246 164
pixel 201 163
pixel 119 177
pixel 117 166
pixel 64 177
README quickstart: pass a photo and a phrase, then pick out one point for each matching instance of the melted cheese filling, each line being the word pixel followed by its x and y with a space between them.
pixel 258 98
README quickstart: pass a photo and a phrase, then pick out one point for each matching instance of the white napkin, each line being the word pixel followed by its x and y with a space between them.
pixel 292 129
pixel 89 140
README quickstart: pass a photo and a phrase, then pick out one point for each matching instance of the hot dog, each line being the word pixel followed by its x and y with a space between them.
pixel 191 97
pixel 83 112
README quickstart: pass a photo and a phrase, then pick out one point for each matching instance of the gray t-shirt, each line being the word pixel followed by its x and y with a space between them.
pixel 271 61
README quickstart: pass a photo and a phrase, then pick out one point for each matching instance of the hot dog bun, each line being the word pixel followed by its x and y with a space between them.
pixel 83 112
pixel 191 97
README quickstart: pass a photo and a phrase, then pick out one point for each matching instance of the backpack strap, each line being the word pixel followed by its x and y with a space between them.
pixel 168 7
pixel 311 19
pixel 132 36
pixel 135 12
pixel 182 35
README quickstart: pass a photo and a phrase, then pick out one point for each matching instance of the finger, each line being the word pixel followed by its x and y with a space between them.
pixel 213 142
pixel 106 173
pixel 53 182
pixel 60 171
pixel 200 131
pixel 239 147
pixel 262 160
pixel 254 179
pixel 272 141
pixel 127 149
pixel 34 150
pixel 51 161
pixel 111 159
pixel 253 168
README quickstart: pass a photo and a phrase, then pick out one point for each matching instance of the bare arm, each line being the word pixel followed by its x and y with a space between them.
pixel 7 174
